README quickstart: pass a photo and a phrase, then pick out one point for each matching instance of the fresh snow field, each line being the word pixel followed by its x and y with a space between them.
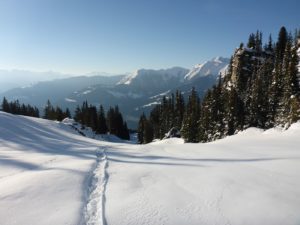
pixel 49 174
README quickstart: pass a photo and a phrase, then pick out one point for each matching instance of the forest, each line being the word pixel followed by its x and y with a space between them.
pixel 260 89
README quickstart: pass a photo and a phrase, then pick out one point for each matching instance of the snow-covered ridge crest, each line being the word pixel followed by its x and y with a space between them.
pixel 150 74
pixel 213 67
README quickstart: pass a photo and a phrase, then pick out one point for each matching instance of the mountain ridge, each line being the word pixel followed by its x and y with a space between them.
pixel 133 93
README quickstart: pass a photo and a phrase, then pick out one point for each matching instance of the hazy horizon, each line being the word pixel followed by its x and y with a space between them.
pixel 52 39
pixel 16 78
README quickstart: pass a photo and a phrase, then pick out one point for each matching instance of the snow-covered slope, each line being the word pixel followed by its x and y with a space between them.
pixel 51 175
pixel 147 81
pixel 46 173
pixel 251 178
pixel 212 67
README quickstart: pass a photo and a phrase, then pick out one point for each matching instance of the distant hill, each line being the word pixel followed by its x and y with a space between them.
pixel 134 93
pixel 10 79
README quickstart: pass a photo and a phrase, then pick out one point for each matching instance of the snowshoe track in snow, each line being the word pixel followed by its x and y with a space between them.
pixel 95 208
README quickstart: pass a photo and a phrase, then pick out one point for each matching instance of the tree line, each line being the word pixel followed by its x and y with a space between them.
pixel 55 113
pixel 15 107
pixel 112 122
pixel 260 89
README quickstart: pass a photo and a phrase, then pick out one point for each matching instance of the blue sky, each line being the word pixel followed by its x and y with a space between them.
pixel 116 36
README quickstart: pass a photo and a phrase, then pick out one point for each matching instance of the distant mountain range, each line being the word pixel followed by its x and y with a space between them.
pixel 134 93
pixel 19 78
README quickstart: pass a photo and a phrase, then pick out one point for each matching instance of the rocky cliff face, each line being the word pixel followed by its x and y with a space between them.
pixel 244 62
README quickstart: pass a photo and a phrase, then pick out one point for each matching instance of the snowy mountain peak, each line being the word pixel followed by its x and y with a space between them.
pixel 212 67
pixel 219 59
pixel 149 75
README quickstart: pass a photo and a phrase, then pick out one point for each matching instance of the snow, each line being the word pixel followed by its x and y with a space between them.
pixel 224 71
pixel 147 75
pixel 249 178
pixel 160 95
pixel 86 92
pixel 89 90
pixel 70 100
pixel 123 95
pixel 248 49
pixel 94 213
pixel 128 79
pixel 212 67
pixel 44 171
pixel 150 104
pixel 51 175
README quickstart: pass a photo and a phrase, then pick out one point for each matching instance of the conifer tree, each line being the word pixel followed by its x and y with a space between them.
pixel 260 89
pixel 164 114
pixel 20 109
pixel 191 118
pixel 292 88
pixel 282 108
pixel 155 118
pixel 78 115
pixel 102 127
pixel 204 129
pixel 231 115
pixel 115 123
pixel 5 105
pixel 276 87
pixel 148 132
pixel 110 120
pixel 258 41
pixel 68 113
pixel 281 44
pixel 93 118
pixel 141 129
pixel 256 116
pixel 251 41
pixel 58 114
pixel 125 132
pixel 179 110
pixel 88 115
pixel 49 112
pixel 269 47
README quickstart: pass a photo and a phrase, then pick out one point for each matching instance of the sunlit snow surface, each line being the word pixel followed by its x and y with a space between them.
pixel 51 175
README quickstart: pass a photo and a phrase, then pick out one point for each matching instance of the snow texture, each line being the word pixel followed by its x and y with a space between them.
pixel 214 67
pixel 250 178
pixel 51 175
pixel 95 209
pixel 160 95
pixel 44 171
pixel 150 104
pixel 70 100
